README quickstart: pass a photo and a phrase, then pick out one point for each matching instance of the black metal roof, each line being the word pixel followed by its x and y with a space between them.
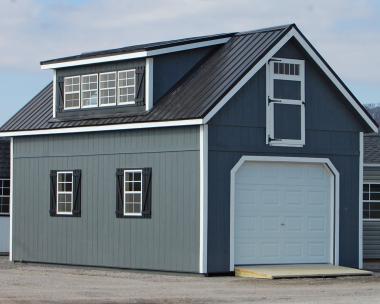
pixel 139 48
pixel 193 97
pixel 372 149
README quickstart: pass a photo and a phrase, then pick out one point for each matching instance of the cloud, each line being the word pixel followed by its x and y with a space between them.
pixel 345 31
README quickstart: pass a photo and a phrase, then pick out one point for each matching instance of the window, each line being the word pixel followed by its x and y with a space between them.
pixel 132 192
pixel 72 92
pixel 371 201
pixel 89 91
pixel 285 103
pixel 107 87
pixel 65 192
pixel 127 86
pixel 5 191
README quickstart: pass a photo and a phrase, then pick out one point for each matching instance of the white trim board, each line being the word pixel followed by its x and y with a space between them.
pixel 371 165
pixel 293 33
pixel 134 55
pixel 203 190
pixel 305 160
pixel 11 203
pixel 131 126
pixel 361 157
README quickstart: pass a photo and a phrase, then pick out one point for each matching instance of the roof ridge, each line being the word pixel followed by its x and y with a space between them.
pixel 266 29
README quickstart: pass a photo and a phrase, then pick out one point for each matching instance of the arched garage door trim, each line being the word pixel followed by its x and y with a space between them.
pixel 303 160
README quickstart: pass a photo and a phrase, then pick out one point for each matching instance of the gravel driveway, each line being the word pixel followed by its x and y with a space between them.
pixel 31 283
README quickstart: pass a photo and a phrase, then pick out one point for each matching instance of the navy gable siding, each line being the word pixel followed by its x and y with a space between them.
pixel 332 131
pixel 170 68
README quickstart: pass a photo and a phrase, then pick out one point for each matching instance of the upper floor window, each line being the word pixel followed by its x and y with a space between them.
pixel 72 92
pixel 103 89
pixel 89 91
pixel 371 201
pixel 285 117
pixel 107 87
pixel 127 84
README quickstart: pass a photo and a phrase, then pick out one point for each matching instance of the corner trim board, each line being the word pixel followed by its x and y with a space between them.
pixel 203 190
pixel 361 157
pixel 11 203
pixel 334 197
pixel 148 84
pixel 134 55
pixel 54 93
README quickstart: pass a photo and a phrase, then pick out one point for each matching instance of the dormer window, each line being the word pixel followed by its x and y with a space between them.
pixel 100 90
pixel 89 91
pixel 127 87
pixel 72 92
pixel 107 84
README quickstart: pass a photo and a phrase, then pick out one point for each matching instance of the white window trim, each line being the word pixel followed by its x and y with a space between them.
pixel 64 93
pixel 108 88
pixel 368 201
pixel 82 91
pixel 65 192
pixel 132 192
pixel 126 86
pixel 9 196
pixel 270 105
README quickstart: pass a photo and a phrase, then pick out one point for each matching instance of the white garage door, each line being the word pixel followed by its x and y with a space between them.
pixel 283 213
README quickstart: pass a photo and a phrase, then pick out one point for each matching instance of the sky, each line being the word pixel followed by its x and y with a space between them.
pixel 345 32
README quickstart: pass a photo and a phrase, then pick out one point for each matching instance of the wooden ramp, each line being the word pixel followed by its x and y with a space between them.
pixel 297 271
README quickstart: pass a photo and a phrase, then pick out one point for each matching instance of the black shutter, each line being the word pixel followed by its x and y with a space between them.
pixel 77 181
pixel 53 193
pixel 119 192
pixel 147 192
pixel 140 85
pixel 59 94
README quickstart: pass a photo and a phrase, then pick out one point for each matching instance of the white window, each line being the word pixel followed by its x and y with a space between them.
pixel 371 201
pixel 127 86
pixel 89 90
pixel 107 89
pixel 72 92
pixel 5 191
pixel 285 103
pixel 132 192
pixel 65 192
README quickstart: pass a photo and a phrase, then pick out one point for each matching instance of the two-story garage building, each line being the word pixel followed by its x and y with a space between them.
pixel 193 155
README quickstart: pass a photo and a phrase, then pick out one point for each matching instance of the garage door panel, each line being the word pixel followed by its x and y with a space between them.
pixel 287 221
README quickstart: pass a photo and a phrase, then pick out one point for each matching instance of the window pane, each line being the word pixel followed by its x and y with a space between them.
pixel 366 187
pixel 375 188
pixel 137 208
pixel 129 208
pixel 375 196
pixel 366 196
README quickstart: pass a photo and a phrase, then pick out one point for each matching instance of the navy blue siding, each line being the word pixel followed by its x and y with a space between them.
pixel 332 131
pixel 170 68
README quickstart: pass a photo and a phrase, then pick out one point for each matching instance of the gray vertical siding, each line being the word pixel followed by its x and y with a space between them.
pixel 168 241
pixel 332 131
pixel 371 229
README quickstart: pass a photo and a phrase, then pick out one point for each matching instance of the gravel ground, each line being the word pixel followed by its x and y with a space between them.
pixel 32 283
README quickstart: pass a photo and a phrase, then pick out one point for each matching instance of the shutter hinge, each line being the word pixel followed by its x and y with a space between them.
pixel 270 100
pixel 276 60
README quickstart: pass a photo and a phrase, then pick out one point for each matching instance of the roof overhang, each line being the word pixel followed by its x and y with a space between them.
pixel 116 127
pixel 133 55
pixel 295 33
